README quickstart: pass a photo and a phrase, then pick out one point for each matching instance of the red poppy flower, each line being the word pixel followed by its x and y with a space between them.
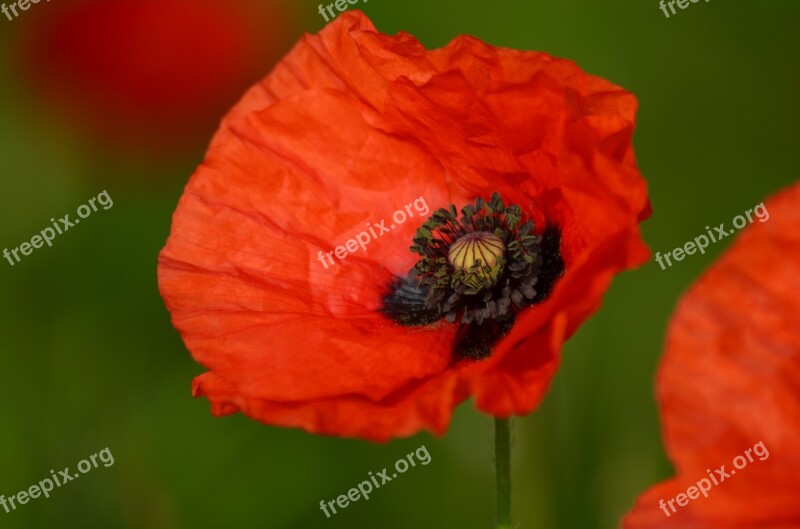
pixel 145 72
pixel 729 388
pixel 350 128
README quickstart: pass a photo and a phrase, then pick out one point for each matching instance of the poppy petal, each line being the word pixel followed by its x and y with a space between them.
pixel 730 378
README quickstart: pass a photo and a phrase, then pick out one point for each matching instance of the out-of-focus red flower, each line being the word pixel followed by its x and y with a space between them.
pixel 146 72
pixel 351 126
pixel 730 379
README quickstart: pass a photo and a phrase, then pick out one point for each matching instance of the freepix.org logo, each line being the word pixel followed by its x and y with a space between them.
pixel 374 231
pixel 701 242
pixel 47 235
pixel 714 478
pixel 47 485
pixel 365 488
pixel 23 5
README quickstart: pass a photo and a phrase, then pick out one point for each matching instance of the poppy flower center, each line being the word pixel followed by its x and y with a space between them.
pixel 479 256
pixel 477 271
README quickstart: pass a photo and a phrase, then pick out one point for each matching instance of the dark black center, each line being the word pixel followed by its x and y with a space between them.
pixel 478 271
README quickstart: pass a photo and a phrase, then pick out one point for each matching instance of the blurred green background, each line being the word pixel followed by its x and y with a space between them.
pixel 88 358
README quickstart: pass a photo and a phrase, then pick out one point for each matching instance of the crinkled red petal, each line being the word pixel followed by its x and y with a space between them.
pixel 730 379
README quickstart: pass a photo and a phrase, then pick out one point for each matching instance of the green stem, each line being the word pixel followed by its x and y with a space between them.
pixel 502 459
